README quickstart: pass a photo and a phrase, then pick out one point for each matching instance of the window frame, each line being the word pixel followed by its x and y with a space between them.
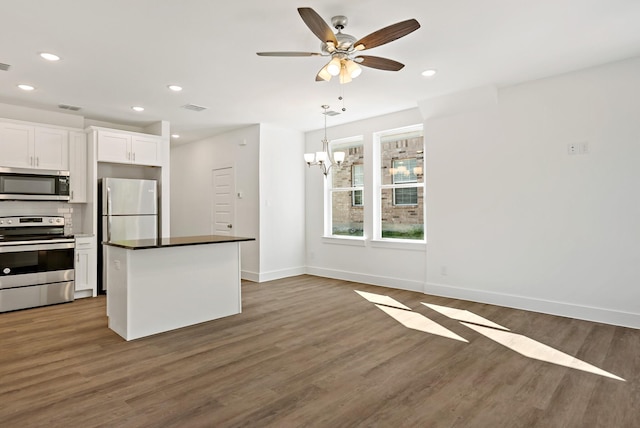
pixel 378 140
pixel 329 190
pixel 360 185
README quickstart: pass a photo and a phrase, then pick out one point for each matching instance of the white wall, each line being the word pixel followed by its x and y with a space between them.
pixel 513 219
pixel 191 193
pixel 363 262
pixel 269 173
pixel 282 220
pixel 10 111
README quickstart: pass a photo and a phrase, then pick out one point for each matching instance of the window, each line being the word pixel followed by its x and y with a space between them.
pixel 357 178
pixel 404 171
pixel 345 191
pixel 400 213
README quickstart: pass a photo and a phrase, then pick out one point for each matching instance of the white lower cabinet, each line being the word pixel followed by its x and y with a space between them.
pixel 86 266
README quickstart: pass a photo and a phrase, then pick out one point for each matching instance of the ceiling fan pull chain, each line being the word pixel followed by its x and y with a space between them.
pixel 341 98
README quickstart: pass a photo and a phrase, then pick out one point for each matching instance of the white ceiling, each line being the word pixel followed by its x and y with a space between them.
pixel 120 53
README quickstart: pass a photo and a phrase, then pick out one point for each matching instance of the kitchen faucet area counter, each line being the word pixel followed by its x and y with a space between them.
pixel 157 285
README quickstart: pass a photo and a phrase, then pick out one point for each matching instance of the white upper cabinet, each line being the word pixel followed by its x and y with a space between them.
pixel 77 167
pixel 114 147
pixel 127 148
pixel 146 150
pixel 16 145
pixel 51 148
pixel 26 146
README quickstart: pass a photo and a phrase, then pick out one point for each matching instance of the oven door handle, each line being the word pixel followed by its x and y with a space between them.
pixel 108 214
pixel 35 247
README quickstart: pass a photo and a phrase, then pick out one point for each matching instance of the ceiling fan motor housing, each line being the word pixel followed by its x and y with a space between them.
pixel 345 42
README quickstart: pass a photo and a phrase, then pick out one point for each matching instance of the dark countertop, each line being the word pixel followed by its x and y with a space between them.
pixel 178 241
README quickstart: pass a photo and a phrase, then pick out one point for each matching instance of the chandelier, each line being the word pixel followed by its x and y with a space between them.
pixel 324 159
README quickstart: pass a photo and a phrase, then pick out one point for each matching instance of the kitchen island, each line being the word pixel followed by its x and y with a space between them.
pixel 157 285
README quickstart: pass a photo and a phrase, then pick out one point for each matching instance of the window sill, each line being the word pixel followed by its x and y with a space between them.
pixel 399 244
pixel 344 240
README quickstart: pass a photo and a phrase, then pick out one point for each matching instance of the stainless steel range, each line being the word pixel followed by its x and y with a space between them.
pixel 36 262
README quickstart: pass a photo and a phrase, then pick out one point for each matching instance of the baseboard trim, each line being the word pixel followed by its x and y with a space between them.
pixel 278 274
pixel 402 284
pixel 249 276
pixel 588 313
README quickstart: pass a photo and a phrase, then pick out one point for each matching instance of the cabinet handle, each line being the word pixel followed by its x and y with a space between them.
pixel 134 156
pixel 31 160
pixel 37 161
pixel 72 194
pixel 78 258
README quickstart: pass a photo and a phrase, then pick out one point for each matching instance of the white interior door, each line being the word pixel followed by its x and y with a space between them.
pixel 223 210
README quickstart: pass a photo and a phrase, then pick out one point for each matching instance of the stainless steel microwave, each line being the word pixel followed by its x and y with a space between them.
pixel 21 184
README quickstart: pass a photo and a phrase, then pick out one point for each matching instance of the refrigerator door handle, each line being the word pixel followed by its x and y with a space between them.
pixel 108 214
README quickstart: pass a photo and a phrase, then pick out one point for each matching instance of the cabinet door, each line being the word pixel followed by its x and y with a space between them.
pixel 78 167
pixel 16 145
pixel 51 148
pixel 85 265
pixel 146 151
pixel 114 147
pixel 82 270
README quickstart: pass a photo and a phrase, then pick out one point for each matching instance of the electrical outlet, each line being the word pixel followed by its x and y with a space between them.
pixel 443 270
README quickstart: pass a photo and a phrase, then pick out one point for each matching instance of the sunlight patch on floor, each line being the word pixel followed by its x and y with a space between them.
pixel 416 321
pixel 382 300
pixel 536 350
pixel 463 315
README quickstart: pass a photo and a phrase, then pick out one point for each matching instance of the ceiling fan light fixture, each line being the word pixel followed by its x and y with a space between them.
pixel 353 69
pixel 334 67
pixel 324 73
pixel 359 47
pixel 345 77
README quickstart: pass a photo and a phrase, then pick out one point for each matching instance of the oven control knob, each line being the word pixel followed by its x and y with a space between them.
pixel 1 222
pixel 8 221
pixel 50 220
pixel 6 271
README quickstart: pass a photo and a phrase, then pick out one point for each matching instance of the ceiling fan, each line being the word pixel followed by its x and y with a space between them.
pixel 344 49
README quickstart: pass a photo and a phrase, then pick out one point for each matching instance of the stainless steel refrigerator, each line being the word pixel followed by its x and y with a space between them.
pixel 129 210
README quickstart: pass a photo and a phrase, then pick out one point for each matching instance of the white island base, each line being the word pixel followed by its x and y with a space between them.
pixel 153 290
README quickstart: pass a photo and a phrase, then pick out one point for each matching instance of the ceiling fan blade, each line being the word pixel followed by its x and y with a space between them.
pixel 317 25
pixel 379 63
pixel 288 54
pixel 387 34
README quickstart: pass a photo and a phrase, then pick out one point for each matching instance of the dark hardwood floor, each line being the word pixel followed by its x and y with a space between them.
pixel 309 351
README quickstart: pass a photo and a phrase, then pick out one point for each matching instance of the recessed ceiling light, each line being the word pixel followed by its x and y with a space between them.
pixel 49 56
pixel 26 87
pixel 137 108
pixel 175 88
pixel 429 73
pixel 175 135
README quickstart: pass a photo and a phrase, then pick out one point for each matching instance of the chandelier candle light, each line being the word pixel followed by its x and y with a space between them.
pixel 324 159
